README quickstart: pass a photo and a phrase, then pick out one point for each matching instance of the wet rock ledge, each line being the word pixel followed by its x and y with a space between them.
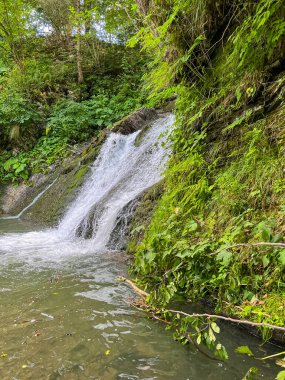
pixel 68 176
pixel 135 121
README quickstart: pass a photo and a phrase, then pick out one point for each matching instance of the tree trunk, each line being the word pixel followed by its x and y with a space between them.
pixel 78 46
pixel 88 21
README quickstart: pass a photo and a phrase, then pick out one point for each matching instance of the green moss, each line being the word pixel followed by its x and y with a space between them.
pixel 141 135
pixel 79 177
pixel 142 216
pixel 51 206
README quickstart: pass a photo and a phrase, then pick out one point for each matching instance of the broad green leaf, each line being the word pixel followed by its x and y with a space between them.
pixel 215 327
pixel 266 234
pixel 281 376
pixel 192 226
pixel 265 261
pixel 199 338
pixel 211 335
pixel 244 350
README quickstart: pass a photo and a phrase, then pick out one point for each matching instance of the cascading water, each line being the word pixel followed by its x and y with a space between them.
pixel 64 314
pixel 122 171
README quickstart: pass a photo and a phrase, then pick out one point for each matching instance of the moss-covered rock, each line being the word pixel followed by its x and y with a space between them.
pixel 142 215
pixel 50 207
pixel 135 121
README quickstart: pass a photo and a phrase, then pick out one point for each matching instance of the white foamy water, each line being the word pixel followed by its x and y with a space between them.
pixel 121 172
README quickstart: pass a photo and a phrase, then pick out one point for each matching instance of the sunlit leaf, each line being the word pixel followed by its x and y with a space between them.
pixel 244 350
pixel 215 327
pixel 281 376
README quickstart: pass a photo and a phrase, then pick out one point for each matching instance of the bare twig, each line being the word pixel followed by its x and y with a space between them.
pixel 276 245
pixel 271 356
pixel 238 321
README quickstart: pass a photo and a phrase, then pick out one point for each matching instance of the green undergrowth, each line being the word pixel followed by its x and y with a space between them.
pixel 224 187
pixel 45 113
pixel 69 123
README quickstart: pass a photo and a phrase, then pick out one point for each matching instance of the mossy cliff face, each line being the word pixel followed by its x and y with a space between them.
pixel 67 177
pixel 216 229
pixel 142 215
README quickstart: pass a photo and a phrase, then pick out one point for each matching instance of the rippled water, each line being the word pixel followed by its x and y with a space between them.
pixel 72 320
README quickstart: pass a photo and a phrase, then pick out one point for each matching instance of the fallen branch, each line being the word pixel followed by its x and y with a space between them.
pixel 271 356
pixel 238 321
pixel 143 294
pixel 276 245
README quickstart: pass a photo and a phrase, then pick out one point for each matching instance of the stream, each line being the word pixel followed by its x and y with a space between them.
pixel 64 314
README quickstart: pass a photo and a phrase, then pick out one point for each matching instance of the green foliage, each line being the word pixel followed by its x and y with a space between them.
pixel 258 36
pixel 17 115
pixel 39 90
pixel 15 110
pixel 45 153
pixel 78 121
pixel 70 122
pixel 225 179
pixel 244 350
pixel 73 120
pixel 188 245
pixel 192 329
pixel 16 167
pixel 281 375
pixel 43 109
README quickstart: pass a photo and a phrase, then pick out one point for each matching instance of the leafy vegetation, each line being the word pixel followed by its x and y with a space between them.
pixel 217 232
pixel 61 79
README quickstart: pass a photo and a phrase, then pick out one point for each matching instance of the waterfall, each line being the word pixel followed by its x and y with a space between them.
pixel 124 168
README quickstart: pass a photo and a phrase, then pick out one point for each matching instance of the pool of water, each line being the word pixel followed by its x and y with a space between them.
pixel 68 317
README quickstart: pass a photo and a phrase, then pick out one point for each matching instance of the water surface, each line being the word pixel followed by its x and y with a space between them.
pixel 67 317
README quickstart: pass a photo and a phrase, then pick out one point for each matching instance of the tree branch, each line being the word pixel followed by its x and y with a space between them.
pixel 238 321
pixel 276 245
pixel 143 294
